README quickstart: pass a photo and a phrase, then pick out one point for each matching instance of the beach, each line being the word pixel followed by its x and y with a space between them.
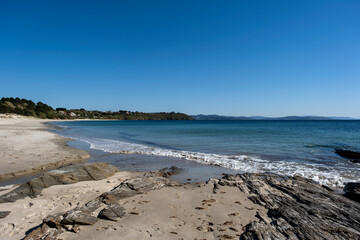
pixel 143 205
pixel 28 147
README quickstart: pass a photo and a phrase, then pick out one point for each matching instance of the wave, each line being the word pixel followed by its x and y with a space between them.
pixel 318 172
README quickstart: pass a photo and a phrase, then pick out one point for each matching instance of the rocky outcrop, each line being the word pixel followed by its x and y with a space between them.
pixel 353 156
pixel 352 191
pixel 298 208
pixel 86 172
pixel 108 204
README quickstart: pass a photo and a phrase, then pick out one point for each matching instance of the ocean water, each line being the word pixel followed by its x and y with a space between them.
pixel 304 148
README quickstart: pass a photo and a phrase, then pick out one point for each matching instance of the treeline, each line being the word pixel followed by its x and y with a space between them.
pixel 29 108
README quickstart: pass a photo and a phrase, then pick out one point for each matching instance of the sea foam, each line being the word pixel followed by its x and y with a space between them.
pixel 317 172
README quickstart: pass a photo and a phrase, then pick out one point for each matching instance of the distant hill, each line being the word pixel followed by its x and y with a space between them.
pixel 287 118
pixel 41 110
pixel 218 117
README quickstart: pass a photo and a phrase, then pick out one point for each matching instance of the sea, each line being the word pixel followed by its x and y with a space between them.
pixel 206 149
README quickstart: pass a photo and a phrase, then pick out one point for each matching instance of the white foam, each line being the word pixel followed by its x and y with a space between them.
pixel 331 177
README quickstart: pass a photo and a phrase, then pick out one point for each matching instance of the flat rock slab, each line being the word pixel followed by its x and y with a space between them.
pixel 298 208
pixel 86 172
pixel 78 217
pixel 138 185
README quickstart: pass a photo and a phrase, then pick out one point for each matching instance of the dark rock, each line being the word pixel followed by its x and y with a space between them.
pixel 112 212
pixel 78 217
pixel 298 208
pixel 86 172
pixel 353 156
pixel 352 191
pixel 4 214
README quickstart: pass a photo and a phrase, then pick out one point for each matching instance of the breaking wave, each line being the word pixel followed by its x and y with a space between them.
pixel 320 173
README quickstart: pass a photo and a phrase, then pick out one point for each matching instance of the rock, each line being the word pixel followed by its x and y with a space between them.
pixel 112 212
pixel 165 172
pixel 78 217
pixel 91 206
pixel 4 214
pixel 54 221
pixel 298 208
pixel 44 233
pixel 55 224
pixel 99 170
pixel 135 186
pixel 86 172
pixel 353 156
pixel 352 191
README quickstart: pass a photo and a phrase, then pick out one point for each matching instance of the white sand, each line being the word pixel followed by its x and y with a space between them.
pixel 171 213
pixel 26 147
pixel 28 213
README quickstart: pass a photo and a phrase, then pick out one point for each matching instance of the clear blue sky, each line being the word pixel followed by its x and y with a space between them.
pixel 271 58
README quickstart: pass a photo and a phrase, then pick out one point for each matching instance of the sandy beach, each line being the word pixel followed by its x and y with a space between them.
pixel 64 204
pixel 28 147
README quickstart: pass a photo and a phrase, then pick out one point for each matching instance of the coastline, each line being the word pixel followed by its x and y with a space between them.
pixel 28 147
pixel 62 204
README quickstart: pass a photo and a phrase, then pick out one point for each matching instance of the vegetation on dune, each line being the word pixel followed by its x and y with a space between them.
pixel 29 108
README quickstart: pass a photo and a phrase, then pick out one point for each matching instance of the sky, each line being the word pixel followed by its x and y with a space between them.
pixel 239 58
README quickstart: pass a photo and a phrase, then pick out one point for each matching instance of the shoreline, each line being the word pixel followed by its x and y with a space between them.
pixel 138 205
pixel 22 138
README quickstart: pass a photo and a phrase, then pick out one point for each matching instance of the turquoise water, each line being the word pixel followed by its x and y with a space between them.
pixel 303 148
